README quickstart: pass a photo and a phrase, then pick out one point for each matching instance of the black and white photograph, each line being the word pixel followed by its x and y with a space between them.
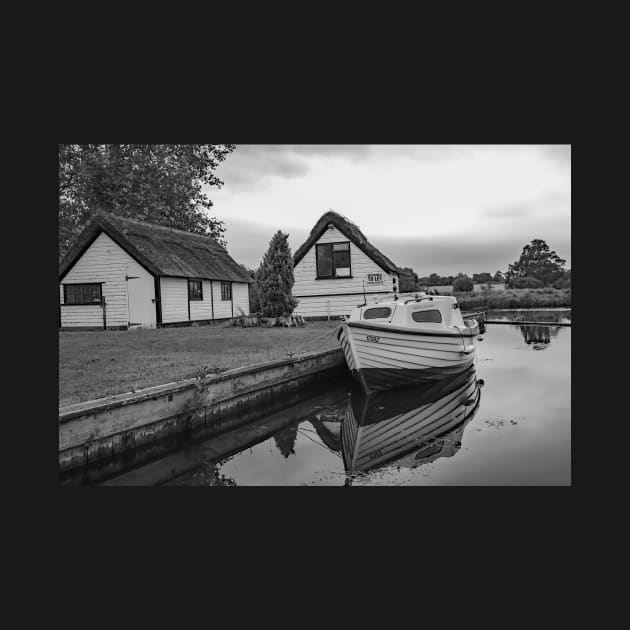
pixel 314 315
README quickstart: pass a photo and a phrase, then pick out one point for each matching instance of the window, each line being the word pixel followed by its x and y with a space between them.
pixel 427 316
pixel 195 290
pixel 333 260
pixel 226 290
pixel 375 278
pixel 376 313
pixel 82 293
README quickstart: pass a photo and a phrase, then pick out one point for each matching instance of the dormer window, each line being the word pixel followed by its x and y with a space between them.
pixel 333 260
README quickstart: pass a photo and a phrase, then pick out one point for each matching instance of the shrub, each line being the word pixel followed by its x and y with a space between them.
pixel 463 284
pixel 562 283
pixel 524 282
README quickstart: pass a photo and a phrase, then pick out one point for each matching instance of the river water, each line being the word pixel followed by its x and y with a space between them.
pixel 505 422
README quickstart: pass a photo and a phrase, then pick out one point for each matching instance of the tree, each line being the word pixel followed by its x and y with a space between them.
pixel 285 440
pixel 409 280
pixel 434 279
pixel 274 279
pixel 499 277
pixel 482 278
pixel 537 261
pixel 158 183
pixel 463 283
pixel 254 305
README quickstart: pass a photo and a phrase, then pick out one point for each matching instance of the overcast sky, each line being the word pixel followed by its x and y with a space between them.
pixel 435 208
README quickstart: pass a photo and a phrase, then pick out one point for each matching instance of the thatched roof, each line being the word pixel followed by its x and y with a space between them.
pixel 163 251
pixel 352 233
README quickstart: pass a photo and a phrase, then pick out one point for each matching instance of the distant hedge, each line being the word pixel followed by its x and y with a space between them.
pixel 535 298
pixel 524 282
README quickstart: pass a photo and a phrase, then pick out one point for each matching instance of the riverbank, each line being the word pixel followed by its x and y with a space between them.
pixel 102 363
pixel 501 299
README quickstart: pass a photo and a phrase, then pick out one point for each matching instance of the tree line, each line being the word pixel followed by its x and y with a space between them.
pixel 538 266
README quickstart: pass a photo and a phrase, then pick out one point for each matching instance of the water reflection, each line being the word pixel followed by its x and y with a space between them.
pixel 410 426
pixel 537 336
pixel 285 440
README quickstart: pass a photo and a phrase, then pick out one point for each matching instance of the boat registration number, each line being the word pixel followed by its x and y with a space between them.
pixel 372 338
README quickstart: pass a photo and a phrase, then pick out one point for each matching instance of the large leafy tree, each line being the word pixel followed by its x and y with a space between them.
pixel 463 283
pixel 158 183
pixel 409 280
pixel 537 261
pixel 274 279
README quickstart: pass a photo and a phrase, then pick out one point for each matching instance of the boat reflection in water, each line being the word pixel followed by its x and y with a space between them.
pixel 408 426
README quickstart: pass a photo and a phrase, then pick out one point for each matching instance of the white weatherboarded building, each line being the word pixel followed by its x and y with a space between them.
pixel 335 266
pixel 122 273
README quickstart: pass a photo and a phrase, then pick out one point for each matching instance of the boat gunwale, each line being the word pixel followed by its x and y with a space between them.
pixel 405 331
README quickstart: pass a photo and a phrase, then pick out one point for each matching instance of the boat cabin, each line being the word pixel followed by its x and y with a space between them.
pixel 421 311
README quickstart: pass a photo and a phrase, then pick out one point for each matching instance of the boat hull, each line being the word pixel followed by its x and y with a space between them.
pixel 385 358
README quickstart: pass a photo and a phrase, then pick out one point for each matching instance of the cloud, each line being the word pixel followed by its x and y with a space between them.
pixel 250 167
pixel 558 154
pixel 544 204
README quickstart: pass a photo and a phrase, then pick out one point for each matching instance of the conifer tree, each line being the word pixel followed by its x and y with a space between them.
pixel 274 279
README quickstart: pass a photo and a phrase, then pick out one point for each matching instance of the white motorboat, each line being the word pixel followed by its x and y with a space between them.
pixel 404 341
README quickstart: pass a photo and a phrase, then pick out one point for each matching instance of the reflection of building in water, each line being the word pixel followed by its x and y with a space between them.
pixel 537 335
pixel 410 426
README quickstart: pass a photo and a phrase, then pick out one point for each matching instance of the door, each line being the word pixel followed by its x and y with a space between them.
pixel 141 296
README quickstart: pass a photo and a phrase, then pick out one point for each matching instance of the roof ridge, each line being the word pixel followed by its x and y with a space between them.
pixel 115 217
pixel 344 223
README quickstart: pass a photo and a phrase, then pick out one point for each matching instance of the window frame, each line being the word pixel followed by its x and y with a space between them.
pixel 334 275
pixel 226 284
pixel 192 298
pixel 377 308
pixel 82 284
pixel 427 310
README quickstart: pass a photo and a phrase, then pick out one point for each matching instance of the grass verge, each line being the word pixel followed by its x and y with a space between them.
pixel 101 363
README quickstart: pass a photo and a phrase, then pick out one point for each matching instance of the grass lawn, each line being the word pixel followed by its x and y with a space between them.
pixel 100 363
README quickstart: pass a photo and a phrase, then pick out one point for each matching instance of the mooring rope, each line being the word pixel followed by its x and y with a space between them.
pixel 319 443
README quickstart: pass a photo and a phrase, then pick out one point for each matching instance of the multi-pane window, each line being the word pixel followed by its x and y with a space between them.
pixel 82 293
pixel 375 278
pixel 195 291
pixel 226 290
pixel 333 260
